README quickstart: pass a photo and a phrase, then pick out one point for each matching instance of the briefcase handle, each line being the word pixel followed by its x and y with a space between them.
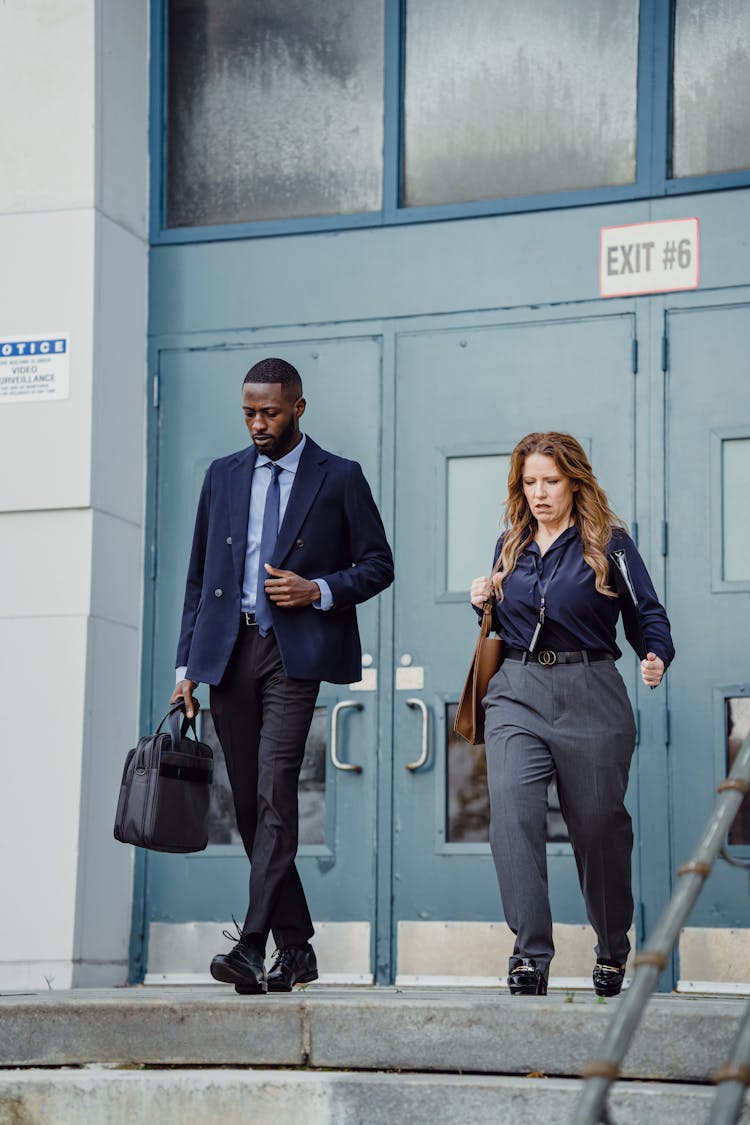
pixel 178 729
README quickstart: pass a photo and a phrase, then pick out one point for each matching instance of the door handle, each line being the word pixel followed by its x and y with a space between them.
pixel 344 705
pixel 420 705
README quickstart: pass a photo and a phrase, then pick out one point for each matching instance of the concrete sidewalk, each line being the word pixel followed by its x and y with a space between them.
pixel 235 1097
pixel 452 1031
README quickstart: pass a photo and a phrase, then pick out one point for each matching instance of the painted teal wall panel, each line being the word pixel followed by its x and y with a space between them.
pixel 489 263
pixel 724 233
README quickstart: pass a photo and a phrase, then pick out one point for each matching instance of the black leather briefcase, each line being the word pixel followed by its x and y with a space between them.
pixel 165 789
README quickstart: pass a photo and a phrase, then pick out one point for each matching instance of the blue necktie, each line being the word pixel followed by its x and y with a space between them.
pixel 268 537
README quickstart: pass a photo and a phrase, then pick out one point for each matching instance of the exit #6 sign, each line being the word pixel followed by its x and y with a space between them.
pixel 649 257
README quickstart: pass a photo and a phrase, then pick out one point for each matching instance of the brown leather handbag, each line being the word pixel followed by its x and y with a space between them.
pixel 488 654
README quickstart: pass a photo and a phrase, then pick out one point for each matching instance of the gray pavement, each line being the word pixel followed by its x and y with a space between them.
pixel 453 1031
pixel 234 1097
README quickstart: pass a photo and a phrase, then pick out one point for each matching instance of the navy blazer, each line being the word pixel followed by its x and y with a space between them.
pixel 331 529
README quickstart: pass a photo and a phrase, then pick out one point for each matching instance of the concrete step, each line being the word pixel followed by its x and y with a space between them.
pixel 234 1097
pixel 681 1039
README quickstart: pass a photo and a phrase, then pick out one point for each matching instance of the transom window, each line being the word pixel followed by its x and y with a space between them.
pixel 285 115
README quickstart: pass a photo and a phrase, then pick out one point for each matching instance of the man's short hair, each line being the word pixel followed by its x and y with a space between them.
pixel 274 370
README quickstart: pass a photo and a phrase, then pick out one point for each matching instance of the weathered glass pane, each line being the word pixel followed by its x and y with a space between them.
pixel 738 728
pixel 275 109
pixel 468 809
pixel 222 827
pixel 505 99
pixel 477 488
pixel 735 480
pixel 312 782
pixel 711 87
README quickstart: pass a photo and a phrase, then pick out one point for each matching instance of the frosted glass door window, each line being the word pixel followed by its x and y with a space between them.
pixel 735 472
pixel 275 109
pixel 711 87
pixel 738 728
pixel 468 799
pixel 222 824
pixel 477 488
pixel 505 99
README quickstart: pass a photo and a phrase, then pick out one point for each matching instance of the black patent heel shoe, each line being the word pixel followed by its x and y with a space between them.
pixel 608 977
pixel 524 979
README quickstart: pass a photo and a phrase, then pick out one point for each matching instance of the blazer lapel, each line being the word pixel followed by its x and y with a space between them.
pixel 309 477
pixel 240 479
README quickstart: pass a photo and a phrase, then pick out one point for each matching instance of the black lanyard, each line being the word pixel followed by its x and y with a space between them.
pixel 543 588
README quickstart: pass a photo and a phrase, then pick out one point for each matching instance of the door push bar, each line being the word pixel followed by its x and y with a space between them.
pixel 344 705
pixel 421 761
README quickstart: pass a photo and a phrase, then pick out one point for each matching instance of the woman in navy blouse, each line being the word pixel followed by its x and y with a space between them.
pixel 558 705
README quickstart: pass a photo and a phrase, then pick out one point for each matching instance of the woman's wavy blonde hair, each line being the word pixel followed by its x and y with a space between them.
pixel 591 511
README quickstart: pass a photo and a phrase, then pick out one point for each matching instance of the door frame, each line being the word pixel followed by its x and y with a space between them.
pixel 653 790
pixel 670 307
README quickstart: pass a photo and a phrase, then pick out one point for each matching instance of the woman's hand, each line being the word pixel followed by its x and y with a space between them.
pixel 480 592
pixel 652 670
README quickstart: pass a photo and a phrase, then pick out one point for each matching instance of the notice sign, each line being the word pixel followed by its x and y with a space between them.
pixel 34 368
pixel 649 258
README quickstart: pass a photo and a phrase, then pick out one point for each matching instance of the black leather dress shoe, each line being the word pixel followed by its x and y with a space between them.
pixel 294 964
pixel 608 977
pixel 524 979
pixel 243 966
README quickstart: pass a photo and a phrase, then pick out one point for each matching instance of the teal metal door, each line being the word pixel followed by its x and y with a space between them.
pixel 465 396
pixel 707 487
pixel 401 841
pixel 200 418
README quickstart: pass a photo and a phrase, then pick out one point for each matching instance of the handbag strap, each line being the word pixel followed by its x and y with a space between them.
pixel 485 627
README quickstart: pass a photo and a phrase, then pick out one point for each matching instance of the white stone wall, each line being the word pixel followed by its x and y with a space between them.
pixel 73 256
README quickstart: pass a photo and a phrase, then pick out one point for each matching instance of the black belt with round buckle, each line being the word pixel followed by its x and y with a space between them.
pixel 549 656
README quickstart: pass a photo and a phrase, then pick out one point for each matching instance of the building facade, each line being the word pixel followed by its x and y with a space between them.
pixel 461 224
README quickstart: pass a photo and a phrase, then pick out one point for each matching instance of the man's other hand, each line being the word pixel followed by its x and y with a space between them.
pixel 288 590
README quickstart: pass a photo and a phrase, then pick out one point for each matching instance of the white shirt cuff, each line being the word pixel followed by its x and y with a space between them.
pixel 326 597
pixel 180 674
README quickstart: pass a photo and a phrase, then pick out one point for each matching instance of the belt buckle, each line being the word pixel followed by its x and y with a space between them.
pixel 247 617
pixel 547 657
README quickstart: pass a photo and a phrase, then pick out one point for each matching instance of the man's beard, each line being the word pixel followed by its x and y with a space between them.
pixel 281 444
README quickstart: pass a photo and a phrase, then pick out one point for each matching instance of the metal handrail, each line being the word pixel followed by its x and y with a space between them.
pixel 733 1078
pixel 599 1074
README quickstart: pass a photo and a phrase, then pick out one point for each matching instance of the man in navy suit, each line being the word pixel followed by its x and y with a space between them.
pixel 287 542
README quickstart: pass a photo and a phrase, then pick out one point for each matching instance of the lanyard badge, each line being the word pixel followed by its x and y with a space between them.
pixel 543 588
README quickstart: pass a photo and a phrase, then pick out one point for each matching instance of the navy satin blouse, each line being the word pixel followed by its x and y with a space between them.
pixel 576 615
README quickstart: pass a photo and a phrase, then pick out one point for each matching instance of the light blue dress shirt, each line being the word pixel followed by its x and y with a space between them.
pixel 258 488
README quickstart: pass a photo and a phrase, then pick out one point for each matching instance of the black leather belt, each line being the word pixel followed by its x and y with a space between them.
pixel 248 619
pixel 549 656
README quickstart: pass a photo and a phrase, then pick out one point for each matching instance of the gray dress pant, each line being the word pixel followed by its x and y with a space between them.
pixel 573 720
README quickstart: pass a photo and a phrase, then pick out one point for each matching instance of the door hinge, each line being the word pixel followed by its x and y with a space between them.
pixel 667 726
pixel 664 537
pixel 640 923
pixel 155 391
pixel 635 356
pixel 637 717
pixel 664 352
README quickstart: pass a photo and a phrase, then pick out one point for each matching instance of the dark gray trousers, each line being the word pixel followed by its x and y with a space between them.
pixel 262 718
pixel 573 720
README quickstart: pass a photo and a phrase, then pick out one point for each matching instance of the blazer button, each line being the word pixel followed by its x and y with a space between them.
pixel 299 543
pixel 229 540
pixel 218 593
